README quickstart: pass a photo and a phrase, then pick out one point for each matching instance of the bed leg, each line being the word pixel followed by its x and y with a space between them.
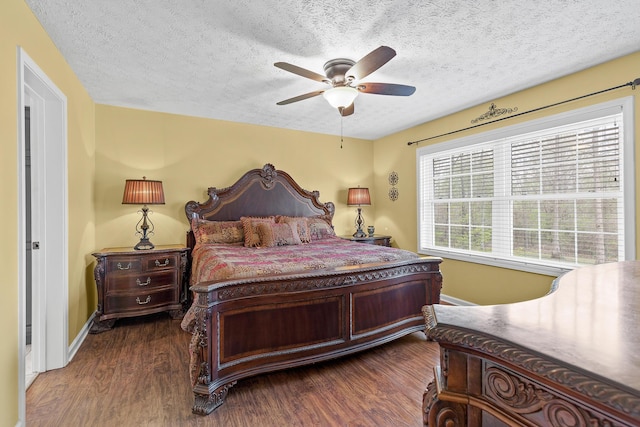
pixel 204 404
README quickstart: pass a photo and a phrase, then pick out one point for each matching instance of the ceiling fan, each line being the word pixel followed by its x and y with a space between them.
pixel 344 76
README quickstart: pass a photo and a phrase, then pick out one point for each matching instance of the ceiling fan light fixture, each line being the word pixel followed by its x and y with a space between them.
pixel 340 96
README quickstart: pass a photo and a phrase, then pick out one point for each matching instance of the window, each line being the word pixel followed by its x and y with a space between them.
pixel 545 196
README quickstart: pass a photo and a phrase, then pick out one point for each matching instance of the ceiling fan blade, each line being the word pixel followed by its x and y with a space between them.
pixel 371 62
pixel 302 72
pixel 386 89
pixel 300 97
pixel 347 111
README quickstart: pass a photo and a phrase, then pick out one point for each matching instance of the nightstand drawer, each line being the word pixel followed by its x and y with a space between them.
pixel 124 265
pixel 135 282
pixel 160 262
pixel 139 301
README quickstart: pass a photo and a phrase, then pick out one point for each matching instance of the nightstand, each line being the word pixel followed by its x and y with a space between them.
pixel 376 239
pixel 138 282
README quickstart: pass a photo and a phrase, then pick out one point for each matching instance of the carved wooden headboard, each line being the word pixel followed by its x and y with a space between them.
pixel 259 192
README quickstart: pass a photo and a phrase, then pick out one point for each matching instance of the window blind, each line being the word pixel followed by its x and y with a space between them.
pixel 552 197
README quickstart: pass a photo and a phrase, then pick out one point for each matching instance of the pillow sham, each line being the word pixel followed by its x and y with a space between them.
pixel 278 234
pixel 320 227
pixel 207 232
pixel 301 224
pixel 250 228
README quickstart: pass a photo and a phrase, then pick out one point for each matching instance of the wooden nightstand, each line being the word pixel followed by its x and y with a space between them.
pixel 376 239
pixel 138 282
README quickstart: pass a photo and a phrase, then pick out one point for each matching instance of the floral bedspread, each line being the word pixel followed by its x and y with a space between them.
pixel 228 261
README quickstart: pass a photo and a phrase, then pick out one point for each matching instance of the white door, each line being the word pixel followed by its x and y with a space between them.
pixel 48 196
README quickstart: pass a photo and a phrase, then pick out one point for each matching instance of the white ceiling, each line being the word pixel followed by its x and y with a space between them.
pixel 215 58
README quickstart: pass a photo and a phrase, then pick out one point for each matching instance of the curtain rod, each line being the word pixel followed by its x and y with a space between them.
pixel 633 85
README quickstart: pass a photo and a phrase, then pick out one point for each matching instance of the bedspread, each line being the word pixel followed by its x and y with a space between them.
pixel 225 261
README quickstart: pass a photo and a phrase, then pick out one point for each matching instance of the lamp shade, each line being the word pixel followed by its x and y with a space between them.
pixel 143 192
pixel 358 197
pixel 340 96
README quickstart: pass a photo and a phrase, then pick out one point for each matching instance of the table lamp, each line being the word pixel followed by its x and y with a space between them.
pixel 359 197
pixel 143 192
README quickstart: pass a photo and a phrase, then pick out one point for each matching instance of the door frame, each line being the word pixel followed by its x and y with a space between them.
pixel 49 226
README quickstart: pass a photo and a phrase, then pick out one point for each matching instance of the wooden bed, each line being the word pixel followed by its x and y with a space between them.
pixel 249 326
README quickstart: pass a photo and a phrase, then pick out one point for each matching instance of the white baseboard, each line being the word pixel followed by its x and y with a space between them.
pixel 82 335
pixel 454 301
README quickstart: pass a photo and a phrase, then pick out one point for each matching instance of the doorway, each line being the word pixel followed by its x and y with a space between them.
pixel 30 372
pixel 42 224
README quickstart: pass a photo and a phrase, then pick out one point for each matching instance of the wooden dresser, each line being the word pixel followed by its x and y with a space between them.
pixel 138 282
pixel 570 358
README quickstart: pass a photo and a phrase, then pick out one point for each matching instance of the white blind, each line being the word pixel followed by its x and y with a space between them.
pixel 566 194
pixel 554 196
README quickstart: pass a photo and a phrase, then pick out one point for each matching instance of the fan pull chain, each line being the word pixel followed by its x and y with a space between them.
pixel 341 124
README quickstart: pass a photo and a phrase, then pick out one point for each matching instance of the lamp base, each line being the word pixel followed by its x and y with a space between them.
pixel 144 230
pixel 143 245
pixel 359 233
pixel 359 223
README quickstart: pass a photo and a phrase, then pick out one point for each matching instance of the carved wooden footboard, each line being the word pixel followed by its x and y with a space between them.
pixel 247 327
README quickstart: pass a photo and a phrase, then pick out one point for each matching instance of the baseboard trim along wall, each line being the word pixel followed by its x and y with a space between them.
pixel 82 335
pixel 454 301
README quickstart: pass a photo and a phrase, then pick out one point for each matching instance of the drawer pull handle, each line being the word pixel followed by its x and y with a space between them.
pixel 148 282
pixel 166 262
pixel 143 302
pixel 120 267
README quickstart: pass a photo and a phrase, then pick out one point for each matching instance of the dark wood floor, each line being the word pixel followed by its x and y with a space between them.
pixel 136 375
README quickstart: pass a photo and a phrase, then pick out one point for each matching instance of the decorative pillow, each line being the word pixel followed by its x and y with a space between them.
pixel 301 224
pixel 217 231
pixel 278 234
pixel 250 228
pixel 320 227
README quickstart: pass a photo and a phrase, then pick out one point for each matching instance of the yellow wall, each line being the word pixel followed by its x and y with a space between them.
pixel 18 27
pixel 468 281
pixel 190 154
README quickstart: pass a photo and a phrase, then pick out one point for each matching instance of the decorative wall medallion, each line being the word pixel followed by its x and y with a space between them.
pixel 393 191
pixel 494 112
pixel 393 178
pixel 393 194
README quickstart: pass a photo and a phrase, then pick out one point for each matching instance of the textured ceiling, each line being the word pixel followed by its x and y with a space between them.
pixel 215 58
